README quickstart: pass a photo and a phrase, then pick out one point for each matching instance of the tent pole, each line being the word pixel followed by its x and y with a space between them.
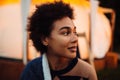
pixel 93 12
pixel 25 5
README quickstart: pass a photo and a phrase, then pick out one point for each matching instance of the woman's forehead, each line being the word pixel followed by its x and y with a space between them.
pixel 65 22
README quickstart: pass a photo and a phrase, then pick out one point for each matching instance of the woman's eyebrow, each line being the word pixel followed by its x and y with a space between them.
pixel 66 27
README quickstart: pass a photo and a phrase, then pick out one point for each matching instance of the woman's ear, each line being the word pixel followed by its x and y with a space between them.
pixel 44 41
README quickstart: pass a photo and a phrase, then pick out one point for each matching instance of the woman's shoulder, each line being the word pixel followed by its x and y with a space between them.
pixel 84 64
pixel 35 61
pixel 35 64
pixel 83 69
pixel 33 69
pixel 86 69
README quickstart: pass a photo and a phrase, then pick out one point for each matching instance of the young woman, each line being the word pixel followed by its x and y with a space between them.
pixel 54 35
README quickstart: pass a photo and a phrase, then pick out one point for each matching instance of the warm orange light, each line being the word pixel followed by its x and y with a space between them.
pixel 4 2
pixel 76 2
pixel 41 1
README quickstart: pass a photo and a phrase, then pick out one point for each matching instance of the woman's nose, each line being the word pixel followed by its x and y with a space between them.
pixel 74 38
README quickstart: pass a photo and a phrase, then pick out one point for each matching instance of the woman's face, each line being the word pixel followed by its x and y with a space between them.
pixel 63 39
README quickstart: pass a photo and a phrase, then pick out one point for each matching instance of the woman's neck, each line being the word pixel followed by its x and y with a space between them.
pixel 57 63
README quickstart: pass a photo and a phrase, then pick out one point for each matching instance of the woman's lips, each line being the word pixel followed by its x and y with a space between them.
pixel 73 49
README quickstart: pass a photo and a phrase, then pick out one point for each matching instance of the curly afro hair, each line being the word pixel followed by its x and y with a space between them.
pixel 41 22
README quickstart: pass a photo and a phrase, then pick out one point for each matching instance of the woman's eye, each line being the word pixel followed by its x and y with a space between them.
pixel 66 33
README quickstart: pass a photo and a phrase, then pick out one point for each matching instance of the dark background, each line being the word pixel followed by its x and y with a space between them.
pixel 115 5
